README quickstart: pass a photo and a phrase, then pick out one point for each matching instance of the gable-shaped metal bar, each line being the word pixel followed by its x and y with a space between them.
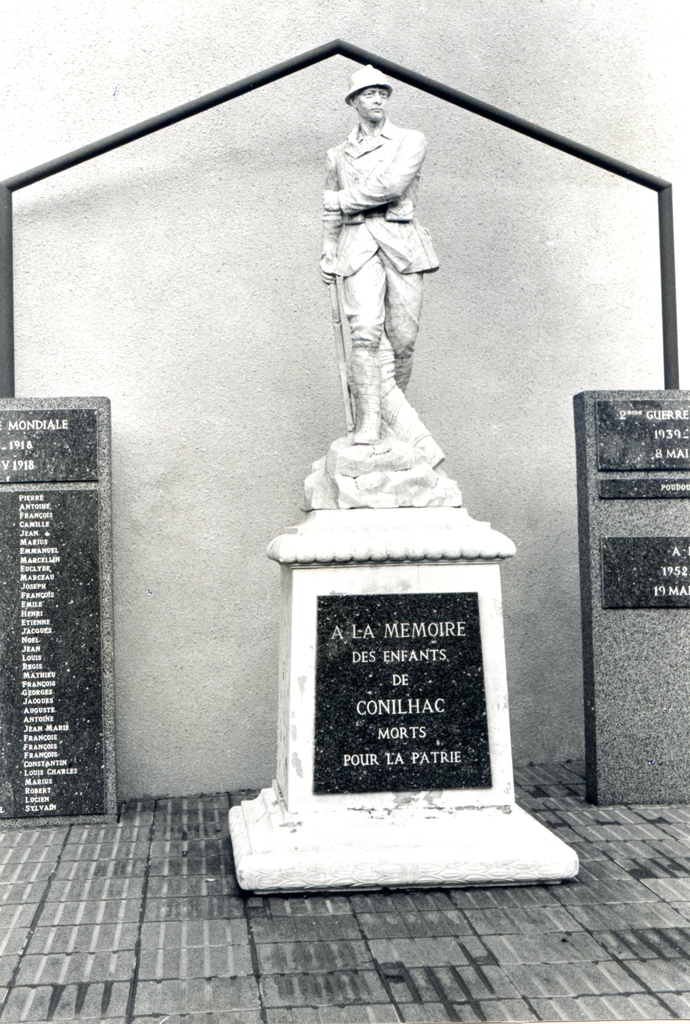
pixel 277 71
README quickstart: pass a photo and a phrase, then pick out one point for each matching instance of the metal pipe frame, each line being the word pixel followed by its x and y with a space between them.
pixel 338 47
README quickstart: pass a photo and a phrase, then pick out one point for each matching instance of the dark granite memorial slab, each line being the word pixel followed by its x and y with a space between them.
pixel 52 729
pixel 645 572
pixel 400 702
pixel 48 445
pixel 56 692
pixel 650 487
pixel 634 594
pixel 650 434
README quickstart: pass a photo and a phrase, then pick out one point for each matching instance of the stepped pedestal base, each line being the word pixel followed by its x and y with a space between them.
pixel 399 846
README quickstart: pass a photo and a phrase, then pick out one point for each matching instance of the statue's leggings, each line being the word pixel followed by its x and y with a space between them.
pixel 377 298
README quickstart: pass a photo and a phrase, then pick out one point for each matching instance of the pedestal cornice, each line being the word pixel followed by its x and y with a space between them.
pixel 359 536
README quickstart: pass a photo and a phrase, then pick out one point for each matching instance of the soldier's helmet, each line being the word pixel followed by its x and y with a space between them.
pixel 367 78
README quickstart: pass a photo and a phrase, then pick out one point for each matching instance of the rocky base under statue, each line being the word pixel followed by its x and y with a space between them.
pixel 388 474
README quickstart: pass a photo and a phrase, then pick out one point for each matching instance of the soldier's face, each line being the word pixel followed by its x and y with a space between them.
pixel 371 104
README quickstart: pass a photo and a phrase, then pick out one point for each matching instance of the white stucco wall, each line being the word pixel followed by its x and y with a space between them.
pixel 178 277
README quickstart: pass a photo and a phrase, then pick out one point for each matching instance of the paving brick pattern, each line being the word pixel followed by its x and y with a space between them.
pixel 144 921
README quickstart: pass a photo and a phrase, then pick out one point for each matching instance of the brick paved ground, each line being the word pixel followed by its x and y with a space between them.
pixel 144 922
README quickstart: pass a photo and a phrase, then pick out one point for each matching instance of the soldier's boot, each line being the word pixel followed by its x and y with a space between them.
pixel 365 373
pixel 398 414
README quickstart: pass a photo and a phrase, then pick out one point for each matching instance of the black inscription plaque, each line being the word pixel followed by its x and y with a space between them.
pixel 644 434
pixel 654 487
pixel 400 702
pixel 645 572
pixel 48 445
pixel 51 758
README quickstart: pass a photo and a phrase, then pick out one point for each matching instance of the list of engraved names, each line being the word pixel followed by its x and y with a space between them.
pixel 51 759
pixel 39 563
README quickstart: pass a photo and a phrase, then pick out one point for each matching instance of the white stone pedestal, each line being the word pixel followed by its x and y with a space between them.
pixel 293 839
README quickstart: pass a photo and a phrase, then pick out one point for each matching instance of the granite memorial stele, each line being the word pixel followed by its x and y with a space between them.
pixel 57 730
pixel 633 462
pixel 394 760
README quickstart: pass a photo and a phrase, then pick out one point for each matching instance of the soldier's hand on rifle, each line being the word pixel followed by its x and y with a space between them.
pixel 327 262
pixel 332 221
pixel 331 201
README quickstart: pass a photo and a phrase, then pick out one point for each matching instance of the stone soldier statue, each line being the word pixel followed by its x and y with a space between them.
pixel 372 241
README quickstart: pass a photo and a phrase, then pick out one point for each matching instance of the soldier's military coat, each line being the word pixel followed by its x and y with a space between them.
pixel 376 178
